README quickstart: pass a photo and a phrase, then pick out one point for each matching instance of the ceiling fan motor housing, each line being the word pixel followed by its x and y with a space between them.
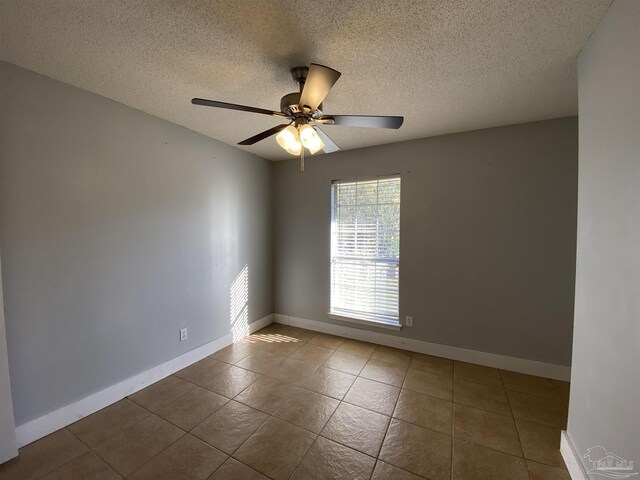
pixel 290 106
pixel 290 103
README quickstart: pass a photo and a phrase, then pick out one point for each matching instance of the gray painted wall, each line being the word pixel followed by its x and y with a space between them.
pixel 605 390
pixel 8 445
pixel 488 225
pixel 117 229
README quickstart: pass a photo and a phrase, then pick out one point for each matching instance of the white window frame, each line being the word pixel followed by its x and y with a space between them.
pixel 392 323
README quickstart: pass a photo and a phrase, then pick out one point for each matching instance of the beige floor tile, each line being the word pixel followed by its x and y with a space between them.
pixel 431 364
pixel 547 411
pixel 357 428
pixel 267 394
pixel 43 456
pixel 473 462
pixel 232 381
pixel 192 408
pixel 260 362
pixel 545 472
pixel 540 443
pixel 230 426
pixel 519 382
pixel 276 448
pixel 283 346
pixel 356 347
pixel 313 354
pixel 346 362
pixel 330 382
pixel 202 371
pixel 425 411
pixel 384 372
pixel 299 333
pixel 233 353
pixel 273 329
pixel 392 355
pixel 234 470
pixel 327 341
pixel 418 450
pixel 137 444
pixel 562 389
pixel 162 393
pixel 435 385
pixel 292 370
pixel 478 374
pixel 330 460
pixel 386 471
pixel 372 395
pixel 487 429
pixel 85 467
pixel 186 459
pixel 108 422
pixel 481 396
pixel 307 409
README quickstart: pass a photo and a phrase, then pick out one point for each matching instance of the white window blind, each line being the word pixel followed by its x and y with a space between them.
pixel 365 249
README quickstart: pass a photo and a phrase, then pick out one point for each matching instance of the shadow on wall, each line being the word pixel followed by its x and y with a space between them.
pixel 239 305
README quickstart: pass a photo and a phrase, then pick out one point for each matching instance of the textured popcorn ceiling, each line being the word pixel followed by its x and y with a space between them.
pixel 446 65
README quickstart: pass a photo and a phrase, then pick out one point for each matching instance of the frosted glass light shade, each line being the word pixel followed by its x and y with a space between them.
pixel 289 140
pixel 310 139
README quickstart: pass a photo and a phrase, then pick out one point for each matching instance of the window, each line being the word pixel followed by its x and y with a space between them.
pixel 365 250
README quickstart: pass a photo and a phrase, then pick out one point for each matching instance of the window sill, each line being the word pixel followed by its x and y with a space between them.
pixel 370 323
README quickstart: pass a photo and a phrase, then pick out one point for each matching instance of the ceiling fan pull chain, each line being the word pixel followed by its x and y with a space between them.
pixel 302 160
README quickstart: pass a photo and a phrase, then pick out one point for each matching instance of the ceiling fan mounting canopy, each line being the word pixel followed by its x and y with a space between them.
pixel 305 108
pixel 299 75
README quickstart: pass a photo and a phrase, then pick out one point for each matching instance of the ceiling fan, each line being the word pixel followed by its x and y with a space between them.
pixel 303 109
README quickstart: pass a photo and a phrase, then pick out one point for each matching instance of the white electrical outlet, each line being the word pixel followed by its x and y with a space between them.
pixel 183 334
pixel 408 321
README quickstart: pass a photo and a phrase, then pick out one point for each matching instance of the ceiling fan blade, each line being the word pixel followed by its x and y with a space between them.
pixel 329 145
pixel 263 135
pixel 233 106
pixel 369 121
pixel 319 81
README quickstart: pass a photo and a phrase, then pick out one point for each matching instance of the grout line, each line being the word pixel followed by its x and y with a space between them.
pixel 305 455
pixel 515 423
pixel 235 459
pixel 249 437
pixel 340 400
pixel 395 405
pixel 136 423
pixel 343 444
pixel 65 463
pixel 158 454
pixel 391 418
pixel 96 453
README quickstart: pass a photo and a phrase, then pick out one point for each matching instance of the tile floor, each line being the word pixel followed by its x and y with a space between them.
pixel 292 403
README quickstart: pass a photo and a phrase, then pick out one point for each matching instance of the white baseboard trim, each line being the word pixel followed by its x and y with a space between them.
pixel 521 365
pixel 572 458
pixel 49 423
pixel 261 323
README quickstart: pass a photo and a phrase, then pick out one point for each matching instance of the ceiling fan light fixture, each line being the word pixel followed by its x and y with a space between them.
pixel 310 139
pixel 289 140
